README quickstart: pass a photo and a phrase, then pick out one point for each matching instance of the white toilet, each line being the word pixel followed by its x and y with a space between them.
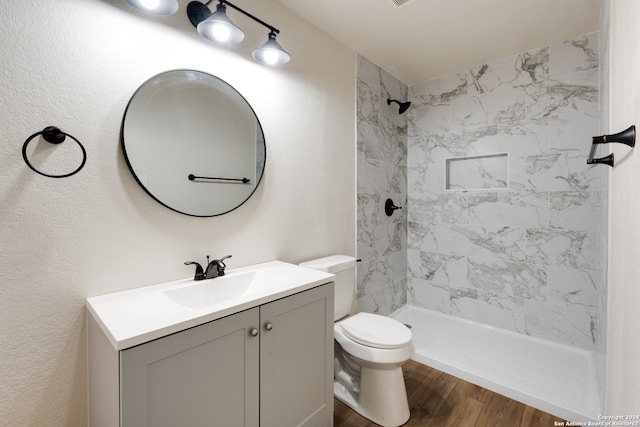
pixel 369 352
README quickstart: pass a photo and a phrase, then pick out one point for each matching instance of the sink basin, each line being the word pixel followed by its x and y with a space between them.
pixel 135 316
pixel 223 289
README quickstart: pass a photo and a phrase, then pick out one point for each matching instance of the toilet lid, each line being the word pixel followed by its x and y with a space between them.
pixel 376 331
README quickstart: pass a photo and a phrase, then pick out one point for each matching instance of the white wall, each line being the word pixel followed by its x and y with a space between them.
pixel 623 369
pixel 74 64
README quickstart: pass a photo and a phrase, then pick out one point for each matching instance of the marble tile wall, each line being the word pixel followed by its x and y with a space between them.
pixel 527 256
pixel 382 174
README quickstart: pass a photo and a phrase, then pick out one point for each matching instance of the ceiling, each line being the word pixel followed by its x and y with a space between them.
pixel 423 39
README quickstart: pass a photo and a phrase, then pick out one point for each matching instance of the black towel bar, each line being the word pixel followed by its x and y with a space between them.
pixel 192 177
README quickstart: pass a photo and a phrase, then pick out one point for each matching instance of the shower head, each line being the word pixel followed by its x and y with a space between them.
pixel 403 105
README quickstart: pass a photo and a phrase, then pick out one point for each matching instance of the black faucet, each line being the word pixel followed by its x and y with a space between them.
pixel 199 271
pixel 215 268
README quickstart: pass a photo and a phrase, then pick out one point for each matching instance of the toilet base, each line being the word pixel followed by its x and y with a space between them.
pixel 382 399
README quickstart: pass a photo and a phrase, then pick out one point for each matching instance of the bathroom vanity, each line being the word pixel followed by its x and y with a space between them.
pixel 252 348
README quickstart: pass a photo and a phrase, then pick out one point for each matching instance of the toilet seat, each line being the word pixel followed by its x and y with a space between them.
pixel 373 330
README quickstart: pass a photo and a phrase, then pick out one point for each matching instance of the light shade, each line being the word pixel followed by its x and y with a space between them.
pixel 218 27
pixel 271 53
pixel 156 7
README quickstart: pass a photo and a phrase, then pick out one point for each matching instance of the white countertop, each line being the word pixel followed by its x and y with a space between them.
pixel 135 316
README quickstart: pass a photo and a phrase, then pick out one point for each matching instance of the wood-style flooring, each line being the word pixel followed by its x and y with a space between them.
pixel 437 399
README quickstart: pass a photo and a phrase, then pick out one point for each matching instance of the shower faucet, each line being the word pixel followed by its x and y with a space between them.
pixel 389 207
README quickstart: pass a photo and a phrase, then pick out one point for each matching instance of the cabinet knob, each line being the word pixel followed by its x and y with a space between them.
pixel 254 332
pixel 268 326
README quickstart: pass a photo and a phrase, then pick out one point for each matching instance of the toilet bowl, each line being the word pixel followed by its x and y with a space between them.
pixel 369 352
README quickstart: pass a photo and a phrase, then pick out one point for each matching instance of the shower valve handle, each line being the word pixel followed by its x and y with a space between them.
pixel 389 207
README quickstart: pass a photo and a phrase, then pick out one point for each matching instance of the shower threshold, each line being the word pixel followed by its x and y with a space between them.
pixel 554 378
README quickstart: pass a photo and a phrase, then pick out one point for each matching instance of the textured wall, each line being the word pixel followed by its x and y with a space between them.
pixel 382 174
pixel 75 64
pixel 603 244
pixel 623 369
pixel 519 250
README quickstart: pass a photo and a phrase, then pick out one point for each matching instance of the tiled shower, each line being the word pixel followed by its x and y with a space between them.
pixel 503 222
pixel 382 174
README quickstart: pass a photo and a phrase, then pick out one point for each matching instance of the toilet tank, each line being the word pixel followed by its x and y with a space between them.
pixel 344 267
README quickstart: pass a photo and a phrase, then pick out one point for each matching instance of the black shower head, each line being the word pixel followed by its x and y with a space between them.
pixel 403 105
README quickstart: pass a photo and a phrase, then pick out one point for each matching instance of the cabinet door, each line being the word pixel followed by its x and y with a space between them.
pixel 296 360
pixel 204 376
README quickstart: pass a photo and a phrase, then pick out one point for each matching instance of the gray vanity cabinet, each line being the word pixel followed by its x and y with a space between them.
pixel 296 360
pixel 269 366
pixel 206 373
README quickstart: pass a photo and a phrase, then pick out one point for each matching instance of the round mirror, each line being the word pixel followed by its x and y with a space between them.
pixel 193 143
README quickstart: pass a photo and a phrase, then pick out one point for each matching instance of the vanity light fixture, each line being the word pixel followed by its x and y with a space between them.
pixel 217 26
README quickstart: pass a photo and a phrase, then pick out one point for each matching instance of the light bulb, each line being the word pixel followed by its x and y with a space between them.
pixel 270 57
pixel 150 4
pixel 155 7
pixel 221 33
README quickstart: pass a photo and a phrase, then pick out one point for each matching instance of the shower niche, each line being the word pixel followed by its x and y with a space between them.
pixel 477 172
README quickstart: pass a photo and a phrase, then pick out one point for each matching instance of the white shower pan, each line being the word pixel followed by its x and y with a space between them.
pixel 551 377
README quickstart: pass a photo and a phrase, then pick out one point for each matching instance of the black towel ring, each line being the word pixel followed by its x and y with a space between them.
pixel 55 136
